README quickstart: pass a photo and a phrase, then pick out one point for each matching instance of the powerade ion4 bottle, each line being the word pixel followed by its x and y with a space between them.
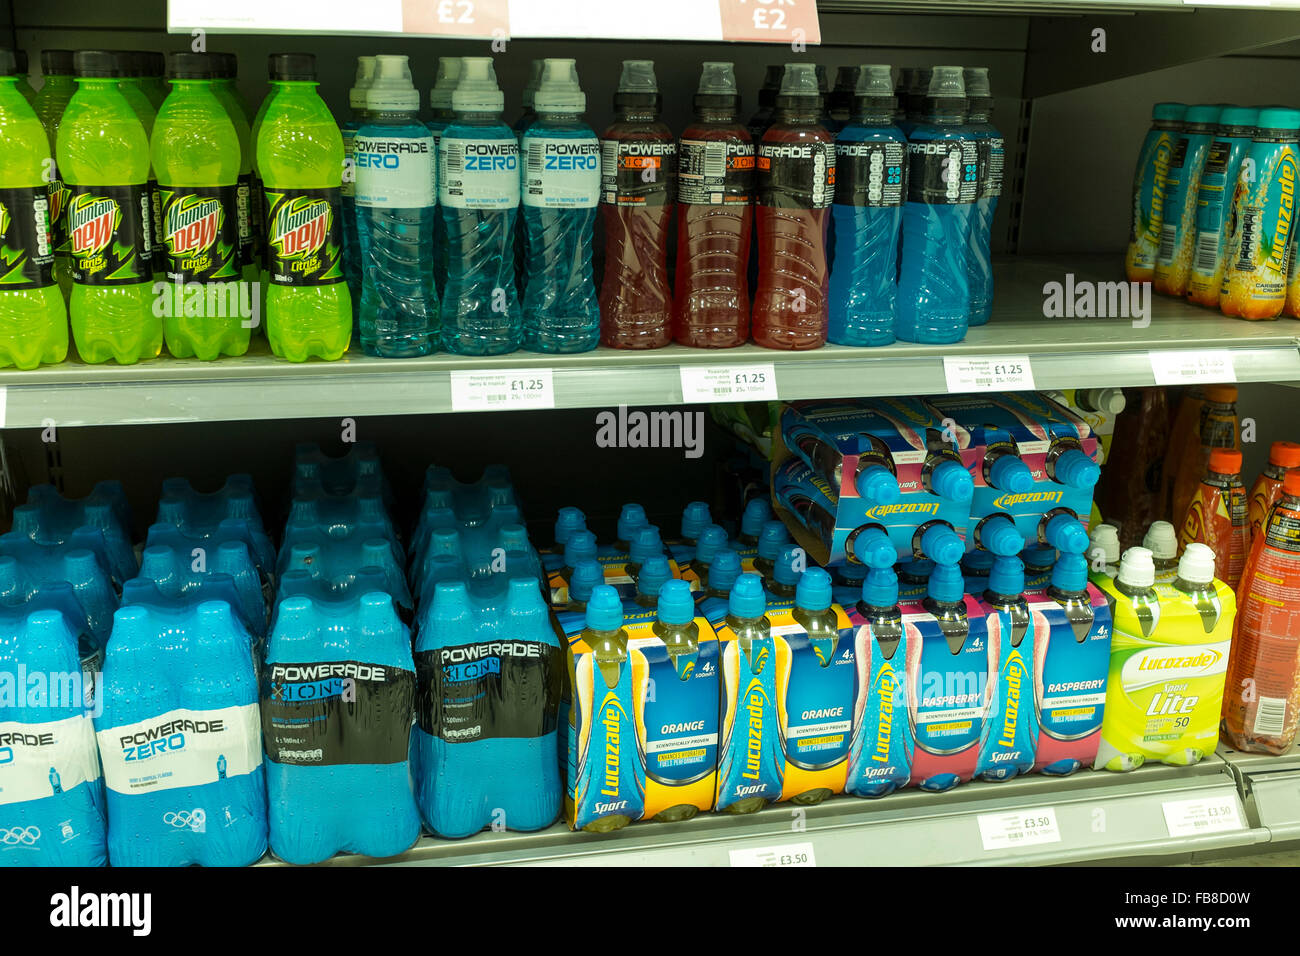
pixel 715 176
pixel 478 189
pixel 870 183
pixel 561 191
pixel 992 152
pixel 795 188
pixel 300 157
pixel 104 158
pixel 942 186
pixel 395 192
pixel 33 316
pixel 638 167
pixel 196 155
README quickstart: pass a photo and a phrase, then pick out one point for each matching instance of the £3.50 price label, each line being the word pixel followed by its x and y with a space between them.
pixel 732 383
pixel 1192 366
pixel 1201 815
pixel 789 854
pixel 1014 828
pixel 1004 373
pixel 502 388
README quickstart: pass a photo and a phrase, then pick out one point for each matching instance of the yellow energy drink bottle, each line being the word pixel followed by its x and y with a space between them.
pixel 1178 231
pixel 680 634
pixel 103 156
pixel 1149 184
pixel 1262 219
pixel 33 316
pixel 812 612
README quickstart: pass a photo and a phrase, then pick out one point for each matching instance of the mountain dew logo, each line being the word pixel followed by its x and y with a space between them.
pixel 5 219
pixel 300 227
pixel 58 198
pixel 92 221
pixel 192 224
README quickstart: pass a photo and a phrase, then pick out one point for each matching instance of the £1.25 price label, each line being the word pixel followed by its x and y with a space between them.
pixel 788 854
pixel 502 389
pixel 730 383
pixel 1004 373
pixel 1015 828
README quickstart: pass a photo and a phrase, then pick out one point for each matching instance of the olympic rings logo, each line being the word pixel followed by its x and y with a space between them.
pixel 195 819
pixel 26 836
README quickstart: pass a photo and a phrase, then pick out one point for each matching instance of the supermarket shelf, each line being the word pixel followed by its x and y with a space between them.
pixel 1101 817
pixel 1271 788
pixel 1063 353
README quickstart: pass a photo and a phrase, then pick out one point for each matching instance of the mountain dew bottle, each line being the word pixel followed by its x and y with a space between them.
pixel 225 67
pixel 196 155
pixel 23 75
pixel 132 64
pixel 33 317
pixel 103 154
pixel 300 157
pixel 51 101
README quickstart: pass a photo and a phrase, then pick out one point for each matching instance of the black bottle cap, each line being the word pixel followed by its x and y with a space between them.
pixel 56 62
pixel 191 66
pixel 227 65
pixel 128 63
pixel 20 60
pixel 654 101
pixel 287 67
pixel 717 101
pixel 155 63
pixel 8 63
pixel 97 63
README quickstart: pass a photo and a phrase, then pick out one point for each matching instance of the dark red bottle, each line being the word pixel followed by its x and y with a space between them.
pixel 715 176
pixel 795 188
pixel 638 169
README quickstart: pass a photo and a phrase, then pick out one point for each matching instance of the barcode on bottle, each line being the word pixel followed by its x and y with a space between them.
pixel 455 157
pixel 1270 716
pixel 609 159
pixel 1246 229
pixel 1207 252
pixel 715 161
pixel 1168 233
pixel 534 157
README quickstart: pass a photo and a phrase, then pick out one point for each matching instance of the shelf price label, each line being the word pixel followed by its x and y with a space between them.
pixel 1017 828
pixel 770 21
pixel 999 373
pixel 1201 815
pixel 1192 366
pixel 470 18
pixel 788 854
pixel 729 383
pixel 497 389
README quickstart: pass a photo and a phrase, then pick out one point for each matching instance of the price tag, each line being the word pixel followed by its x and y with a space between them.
pixel 1015 828
pixel 1201 815
pixel 1192 366
pixel 471 18
pixel 770 21
pixel 730 383
pixel 788 854
pixel 502 389
pixel 1003 373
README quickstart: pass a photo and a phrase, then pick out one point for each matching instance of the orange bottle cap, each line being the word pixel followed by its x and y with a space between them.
pixel 1284 454
pixel 1291 484
pixel 1225 461
pixel 1223 394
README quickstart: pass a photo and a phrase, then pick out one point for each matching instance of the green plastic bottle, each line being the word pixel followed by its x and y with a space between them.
pixel 133 64
pixel 24 82
pixel 153 66
pixel 33 316
pixel 196 153
pixel 103 154
pixel 300 157
pixel 259 203
pixel 223 87
pixel 51 101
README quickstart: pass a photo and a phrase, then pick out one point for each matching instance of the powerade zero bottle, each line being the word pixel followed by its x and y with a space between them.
pixel 196 156
pixel 561 190
pixel 300 157
pixel 395 191
pixel 33 315
pixel 638 168
pixel 715 176
pixel 870 183
pixel 347 191
pixel 104 158
pixel 795 188
pixel 942 186
pixel 992 153
pixel 478 189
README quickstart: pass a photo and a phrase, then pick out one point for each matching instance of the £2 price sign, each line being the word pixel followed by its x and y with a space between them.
pixel 457 18
pixel 770 21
